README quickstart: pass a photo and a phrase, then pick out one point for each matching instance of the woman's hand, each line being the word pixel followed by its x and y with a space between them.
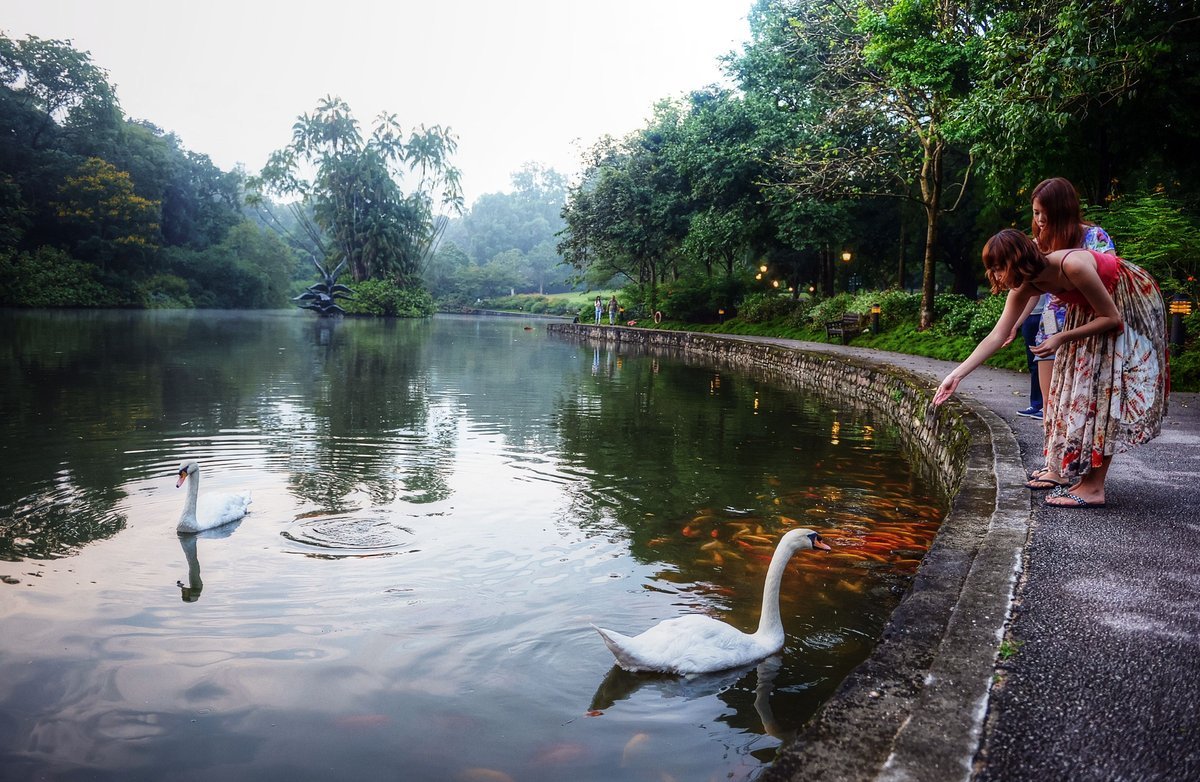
pixel 946 389
pixel 1048 345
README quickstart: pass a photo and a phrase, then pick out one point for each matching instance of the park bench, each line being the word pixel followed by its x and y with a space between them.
pixel 848 326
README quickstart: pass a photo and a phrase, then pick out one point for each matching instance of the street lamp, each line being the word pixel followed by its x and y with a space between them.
pixel 1181 307
pixel 846 256
pixel 875 308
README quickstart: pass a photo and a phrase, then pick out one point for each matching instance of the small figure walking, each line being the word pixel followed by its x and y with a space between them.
pixel 599 309
pixel 612 310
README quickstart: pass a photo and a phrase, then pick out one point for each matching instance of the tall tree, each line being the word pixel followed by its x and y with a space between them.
pixel 360 210
pixel 630 214
pixel 59 81
pixel 878 87
pixel 1102 93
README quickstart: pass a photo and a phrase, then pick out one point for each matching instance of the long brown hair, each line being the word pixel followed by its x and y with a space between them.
pixel 1064 224
pixel 1011 259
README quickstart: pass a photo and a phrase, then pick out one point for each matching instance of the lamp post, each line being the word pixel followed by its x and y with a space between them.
pixel 875 318
pixel 1181 307
pixel 846 256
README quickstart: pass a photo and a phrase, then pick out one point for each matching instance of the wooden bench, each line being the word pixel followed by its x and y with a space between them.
pixel 850 325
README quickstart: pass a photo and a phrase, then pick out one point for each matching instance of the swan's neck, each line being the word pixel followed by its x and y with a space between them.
pixel 188 517
pixel 769 623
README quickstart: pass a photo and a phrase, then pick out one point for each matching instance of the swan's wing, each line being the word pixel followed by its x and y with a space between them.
pixel 688 644
pixel 213 510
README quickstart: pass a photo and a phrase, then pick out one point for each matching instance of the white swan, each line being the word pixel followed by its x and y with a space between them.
pixel 695 643
pixel 217 509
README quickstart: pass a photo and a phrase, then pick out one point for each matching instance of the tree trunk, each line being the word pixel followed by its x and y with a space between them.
pixel 827 271
pixel 931 192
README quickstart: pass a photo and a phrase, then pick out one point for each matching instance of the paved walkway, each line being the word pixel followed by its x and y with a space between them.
pixel 1098 666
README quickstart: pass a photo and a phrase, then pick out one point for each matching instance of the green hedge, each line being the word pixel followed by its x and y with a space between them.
pixel 384 298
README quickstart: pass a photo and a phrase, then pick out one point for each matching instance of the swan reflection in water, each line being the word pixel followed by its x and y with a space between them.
pixel 621 685
pixel 190 592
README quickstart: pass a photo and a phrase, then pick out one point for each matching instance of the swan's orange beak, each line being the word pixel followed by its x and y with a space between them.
pixel 820 544
pixel 182 478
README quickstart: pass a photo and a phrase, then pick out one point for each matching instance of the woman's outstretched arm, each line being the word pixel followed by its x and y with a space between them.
pixel 1014 306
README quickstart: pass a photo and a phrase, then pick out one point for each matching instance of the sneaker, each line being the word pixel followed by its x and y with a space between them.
pixel 1031 412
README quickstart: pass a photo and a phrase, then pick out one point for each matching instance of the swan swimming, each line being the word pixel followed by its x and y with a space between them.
pixel 695 643
pixel 217 509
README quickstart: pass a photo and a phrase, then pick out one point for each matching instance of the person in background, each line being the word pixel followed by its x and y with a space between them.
pixel 612 310
pixel 1029 330
pixel 1057 225
pixel 1109 388
pixel 599 309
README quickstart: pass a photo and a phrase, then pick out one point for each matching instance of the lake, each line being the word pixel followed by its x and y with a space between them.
pixel 441 509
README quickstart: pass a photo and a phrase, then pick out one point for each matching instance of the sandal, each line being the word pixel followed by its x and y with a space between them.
pixel 1044 484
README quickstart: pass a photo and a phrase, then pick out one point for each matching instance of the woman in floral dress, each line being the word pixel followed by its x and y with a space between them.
pixel 1057 225
pixel 1109 388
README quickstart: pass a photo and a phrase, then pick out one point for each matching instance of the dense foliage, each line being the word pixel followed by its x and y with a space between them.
pixel 99 210
pixel 869 137
pixel 504 244
pixel 864 150
pixel 354 195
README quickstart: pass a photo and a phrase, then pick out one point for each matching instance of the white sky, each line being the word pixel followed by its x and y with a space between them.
pixel 517 81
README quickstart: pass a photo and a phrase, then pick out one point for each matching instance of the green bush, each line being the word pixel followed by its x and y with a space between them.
pixel 832 308
pixel 953 313
pixel 50 278
pixel 896 306
pixel 700 299
pixel 384 298
pixel 166 292
pixel 987 312
pixel 764 307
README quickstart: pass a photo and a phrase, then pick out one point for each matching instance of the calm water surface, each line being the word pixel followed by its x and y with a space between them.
pixel 440 510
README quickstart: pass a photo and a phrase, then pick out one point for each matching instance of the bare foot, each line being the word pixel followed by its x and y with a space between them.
pixel 1077 496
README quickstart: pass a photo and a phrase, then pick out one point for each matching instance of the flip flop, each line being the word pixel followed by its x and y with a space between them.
pixel 1080 502
pixel 1045 484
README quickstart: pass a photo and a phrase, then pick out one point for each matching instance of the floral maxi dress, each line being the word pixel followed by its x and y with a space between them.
pixel 1109 391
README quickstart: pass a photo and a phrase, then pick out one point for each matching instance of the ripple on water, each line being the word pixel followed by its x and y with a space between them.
pixel 348 536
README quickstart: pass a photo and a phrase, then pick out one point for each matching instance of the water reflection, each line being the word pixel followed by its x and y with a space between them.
pixel 190 592
pixel 465 496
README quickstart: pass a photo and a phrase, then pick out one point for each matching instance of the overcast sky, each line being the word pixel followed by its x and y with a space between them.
pixel 517 80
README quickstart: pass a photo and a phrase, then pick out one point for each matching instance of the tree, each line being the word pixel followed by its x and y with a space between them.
pixel 1101 93
pixel 878 89
pixel 630 214
pixel 57 80
pixel 115 227
pixel 444 270
pixel 361 213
